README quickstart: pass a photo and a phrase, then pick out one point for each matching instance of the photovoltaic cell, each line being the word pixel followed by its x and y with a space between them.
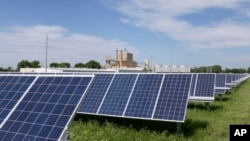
pixel 173 98
pixel 144 96
pixel 118 94
pixel 92 99
pixel 46 109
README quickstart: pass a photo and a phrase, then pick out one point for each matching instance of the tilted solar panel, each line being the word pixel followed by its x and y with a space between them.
pixel 46 109
pixel 173 98
pixel 220 80
pixel 229 80
pixel 204 87
pixel 143 98
pixel 96 92
pixel 118 94
pixel 220 83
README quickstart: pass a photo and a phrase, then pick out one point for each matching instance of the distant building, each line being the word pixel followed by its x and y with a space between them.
pixel 171 68
pixel 82 70
pixel 123 60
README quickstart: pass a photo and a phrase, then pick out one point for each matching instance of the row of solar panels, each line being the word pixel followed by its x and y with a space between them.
pixel 40 107
pixel 226 81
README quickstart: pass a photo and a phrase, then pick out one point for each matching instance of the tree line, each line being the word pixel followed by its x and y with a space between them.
pixel 95 64
pixel 218 69
pixel 36 64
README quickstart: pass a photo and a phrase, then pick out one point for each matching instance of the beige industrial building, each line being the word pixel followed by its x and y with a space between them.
pixel 124 59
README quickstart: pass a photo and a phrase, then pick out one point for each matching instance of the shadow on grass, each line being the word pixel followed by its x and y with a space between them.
pixel 223 98
pixel 188 128
pixel 203 106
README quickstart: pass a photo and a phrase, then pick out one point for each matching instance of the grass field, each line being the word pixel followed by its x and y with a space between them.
pixel 200 124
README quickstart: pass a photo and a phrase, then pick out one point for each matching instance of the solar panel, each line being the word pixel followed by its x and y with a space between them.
pixel 46 109
pixel 118 94
pixel 11 90
pixel 141 96
pixel 220 83
pixel 96 92
pixel 173 98
pixel 203 90
pixel 229 80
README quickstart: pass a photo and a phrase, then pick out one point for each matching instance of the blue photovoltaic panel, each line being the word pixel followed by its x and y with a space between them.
pixel 46 109
pixel 220 80
pixel 220 83
pixel 92 99
pixel 204 87
pixel 229 80
pixel 144 96
pixel 118 94
pixel 173 98
pixel 11 90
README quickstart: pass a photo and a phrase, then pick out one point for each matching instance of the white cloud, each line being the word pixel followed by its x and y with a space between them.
pixel 19 43
pixel 123 20
pixel 161 16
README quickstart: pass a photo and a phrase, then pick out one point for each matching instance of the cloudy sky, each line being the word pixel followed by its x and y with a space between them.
pixel 180 32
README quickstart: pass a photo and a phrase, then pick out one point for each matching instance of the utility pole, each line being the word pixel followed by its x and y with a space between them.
pixel 46 59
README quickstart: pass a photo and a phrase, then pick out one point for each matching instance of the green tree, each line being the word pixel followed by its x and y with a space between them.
pixel 64 65
pixel 10 69
pixel 54 65
pixel 79 65
pixel 93 64
pixel 35 64
pixel 27 64
pixel 216 69
pixel 23 64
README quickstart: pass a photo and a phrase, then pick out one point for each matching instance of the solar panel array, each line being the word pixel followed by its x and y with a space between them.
pixel 143 96
pixel 226 81
pixel 42 106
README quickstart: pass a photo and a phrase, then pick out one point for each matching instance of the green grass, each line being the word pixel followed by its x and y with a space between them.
pixel 200 124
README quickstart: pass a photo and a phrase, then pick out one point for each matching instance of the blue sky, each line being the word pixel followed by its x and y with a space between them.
pixel 191 32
